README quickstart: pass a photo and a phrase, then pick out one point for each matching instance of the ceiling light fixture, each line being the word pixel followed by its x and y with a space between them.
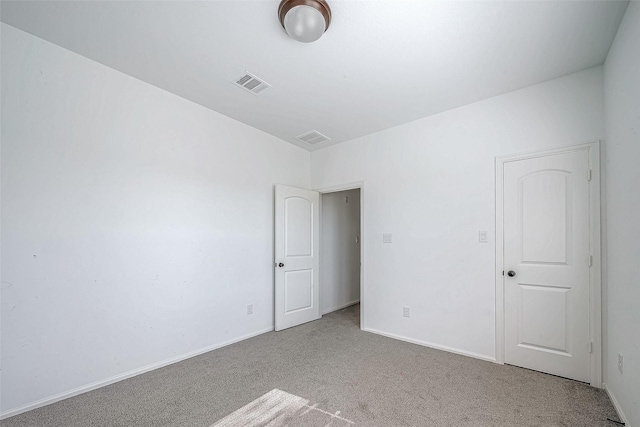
pixel 304 20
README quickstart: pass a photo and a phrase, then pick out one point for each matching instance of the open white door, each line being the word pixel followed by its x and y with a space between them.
pixel 297 248
pixel 547 264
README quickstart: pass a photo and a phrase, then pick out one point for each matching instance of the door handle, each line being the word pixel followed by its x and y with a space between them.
pixel 280 264
pixel 511 273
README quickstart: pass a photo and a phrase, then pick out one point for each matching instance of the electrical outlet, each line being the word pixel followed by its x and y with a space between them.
pixel 482 237
pixel 620 360
pixel 250 309
pixel 406 311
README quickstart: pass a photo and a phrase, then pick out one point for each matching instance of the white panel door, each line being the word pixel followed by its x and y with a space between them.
pixel 546 264
pixel 297 250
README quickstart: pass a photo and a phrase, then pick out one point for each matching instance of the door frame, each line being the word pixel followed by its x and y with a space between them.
pixel 335 189
pixel 595 285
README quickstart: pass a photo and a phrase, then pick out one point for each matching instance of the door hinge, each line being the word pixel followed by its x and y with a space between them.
pixel 590 260
pixel 589 175
pixel 590 346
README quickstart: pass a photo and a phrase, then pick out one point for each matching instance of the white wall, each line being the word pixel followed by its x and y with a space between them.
pixel 136 225
pixel 622 106
pixel 431 184
pixel 340 250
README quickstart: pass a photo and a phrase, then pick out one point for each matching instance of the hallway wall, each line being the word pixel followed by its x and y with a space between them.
pixel 340 251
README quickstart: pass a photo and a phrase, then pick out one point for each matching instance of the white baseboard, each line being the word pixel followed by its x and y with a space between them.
pixel 349 304
pixel 616 405
pixel 95 385
pixel 431 345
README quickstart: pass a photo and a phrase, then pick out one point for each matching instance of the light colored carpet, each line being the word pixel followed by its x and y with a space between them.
pixel 277 409
pixel 367 379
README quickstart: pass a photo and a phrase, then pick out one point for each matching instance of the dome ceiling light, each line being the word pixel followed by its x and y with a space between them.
pixel 304 20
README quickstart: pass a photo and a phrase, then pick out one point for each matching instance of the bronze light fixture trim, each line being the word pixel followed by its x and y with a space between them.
pixel 304 20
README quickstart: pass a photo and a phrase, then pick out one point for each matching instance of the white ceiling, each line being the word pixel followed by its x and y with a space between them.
pixel 380 64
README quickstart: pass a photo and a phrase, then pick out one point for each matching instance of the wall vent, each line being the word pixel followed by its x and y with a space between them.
pixel 312 137
pixel 251 83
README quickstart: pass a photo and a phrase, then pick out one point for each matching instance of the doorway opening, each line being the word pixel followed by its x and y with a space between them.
pixel 341 252
pixel 302 293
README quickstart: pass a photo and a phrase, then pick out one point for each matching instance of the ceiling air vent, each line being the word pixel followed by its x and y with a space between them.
pixel 312 137
pixel 252 84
